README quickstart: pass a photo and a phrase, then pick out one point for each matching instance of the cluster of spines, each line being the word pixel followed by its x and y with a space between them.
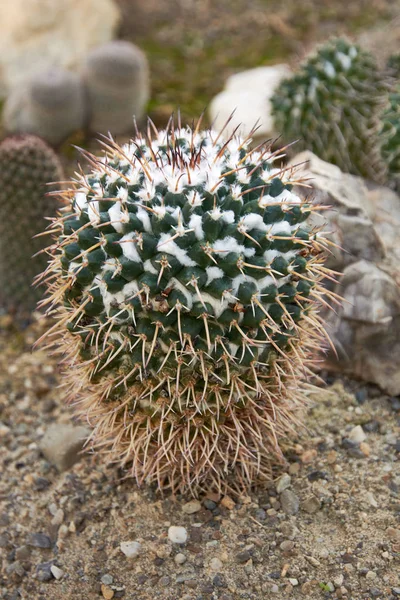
pixel 188 281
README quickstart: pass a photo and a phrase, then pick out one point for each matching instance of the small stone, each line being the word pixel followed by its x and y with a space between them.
pixel 365 449
pixel 370 499
pixel 338 580
pixel 62 444
pixel 209 504
pixel 191 507
pixel 219 581
pixel 177 535
pixel 331 457
pixel 313 561
pixel 107 579
pixel 39 540
pixel 43 571
pixel 216 564
pixel 248 567
pixel 306 588
pixel 357 434
pixel 228 503
pixel 22 553
pixel 180 558
pixel 289 502
pixel 393 534
pixel 243 557
pixel 283 483
pixel 293 581
pixel 130 549
pixel 58 517
pixel 260 514
pixel 294 468
pixel 396 591
pixel 107 592
pixel 311 505
pixel 308 456
pixel 56 572
pixel 371 575
pixel 164 581
pixel 274 589
pixel 289 530
pixel 287 546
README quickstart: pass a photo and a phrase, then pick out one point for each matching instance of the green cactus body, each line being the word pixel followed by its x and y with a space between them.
pixel 390 135
pixel 332 105
pixel 27 165
pixel 188 277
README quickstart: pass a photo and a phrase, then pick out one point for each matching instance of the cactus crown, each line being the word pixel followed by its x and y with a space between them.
pixel 27 166
pixel 332 105
pixel 187 276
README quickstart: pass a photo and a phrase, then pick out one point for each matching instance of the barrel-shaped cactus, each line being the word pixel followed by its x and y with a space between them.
pixel 187 281
pixel 51 105
pixel 116 77
pixel 332 106
pixel 27 165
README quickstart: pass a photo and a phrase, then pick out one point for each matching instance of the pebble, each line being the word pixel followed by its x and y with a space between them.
pixel 39 540
pixel 286 546
pixel 191 507
pixel 293 581
pixel 43 571
pixel 107 579
pixel 243 557
pixel 357 435
pixel 180 558
pixel 311 505
pixel 219 581
pixel 228 503
pixel 209 504
pixel 393 534
pixel 260 514
pixel 283 483
pixel 396 591
pixel 274 589
pixel 371 575
pixel 107 592
pixel 56 572
pixel 289 502
pixel 309 456
pixel 338 580
pixel 216 564
pixel 177 535
pixel 248 567
pixel 130 549
pixel 62 444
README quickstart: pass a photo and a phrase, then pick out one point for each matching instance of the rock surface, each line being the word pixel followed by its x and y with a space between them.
pixel 246 97
pixel 365 220
pixel 42 33
pixel 62 443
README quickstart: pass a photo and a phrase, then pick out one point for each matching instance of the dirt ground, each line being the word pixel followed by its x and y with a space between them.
pixel 328 528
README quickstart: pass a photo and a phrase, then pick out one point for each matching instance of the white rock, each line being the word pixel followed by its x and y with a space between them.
pixel 283 483
pixel 56 572
pixel 180 558
pixel 130 549
pixel 357 434
pixel 293 581
pixel 42 33
pixel 248 94
pixel 215 564
pixel 191 507
pixel 177 535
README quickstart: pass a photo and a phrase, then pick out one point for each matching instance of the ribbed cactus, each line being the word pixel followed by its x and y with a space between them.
pixel 390 131
pixel 116 76
pixel 332 105
pixel 27 165
pixel 52 106
pixel 187 281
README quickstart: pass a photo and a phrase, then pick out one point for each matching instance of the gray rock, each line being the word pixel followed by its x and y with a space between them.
pixel 289 502
pixel 39 540
pixel 311 505
pixel 62 444
pixel 43 571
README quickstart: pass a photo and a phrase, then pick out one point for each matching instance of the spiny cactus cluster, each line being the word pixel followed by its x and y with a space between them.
pixel 390 135
pixel 27 165
pixel 332 105
pixel 187 279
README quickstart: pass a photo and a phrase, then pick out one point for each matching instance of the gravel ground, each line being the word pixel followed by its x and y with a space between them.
pixel 327 527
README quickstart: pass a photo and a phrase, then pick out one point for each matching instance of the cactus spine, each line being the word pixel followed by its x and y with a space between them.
pixel 187 279
pixel 332 105
pixel 27 164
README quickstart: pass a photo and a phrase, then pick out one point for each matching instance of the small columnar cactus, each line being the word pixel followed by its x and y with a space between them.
pixel 51 105
pixel 116 76
pixel 27 165
pixel 390 136
pixel 332 105
pixel 187 281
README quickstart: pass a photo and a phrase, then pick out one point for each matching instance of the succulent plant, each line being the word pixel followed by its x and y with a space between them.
pixel 332 105
pixel 187 280
pixel 51 105
pixel 27 165
pixel 390 136
pixel 116 76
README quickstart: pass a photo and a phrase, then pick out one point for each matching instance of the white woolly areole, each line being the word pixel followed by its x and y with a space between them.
pixel 229 244
pixel 169 246
pixel 118 217
pixel 129 247
pixel 195 223
pixel 213 273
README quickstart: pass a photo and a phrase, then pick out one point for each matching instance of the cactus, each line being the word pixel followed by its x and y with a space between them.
pixel 27 164
pixel 186 279
pixel 117 82
pixel 51 105
pixel 333 106
pixel 390 130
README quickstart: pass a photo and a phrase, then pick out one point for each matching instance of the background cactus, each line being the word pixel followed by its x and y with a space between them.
pixel 117 81
pixel 51 105
pixel 186 279
pixel 27 164
pixel 390 131
pixel 332 105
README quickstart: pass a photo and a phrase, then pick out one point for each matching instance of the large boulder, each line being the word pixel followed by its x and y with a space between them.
pixel 364 221
pixel 246 100
pixel 36 34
